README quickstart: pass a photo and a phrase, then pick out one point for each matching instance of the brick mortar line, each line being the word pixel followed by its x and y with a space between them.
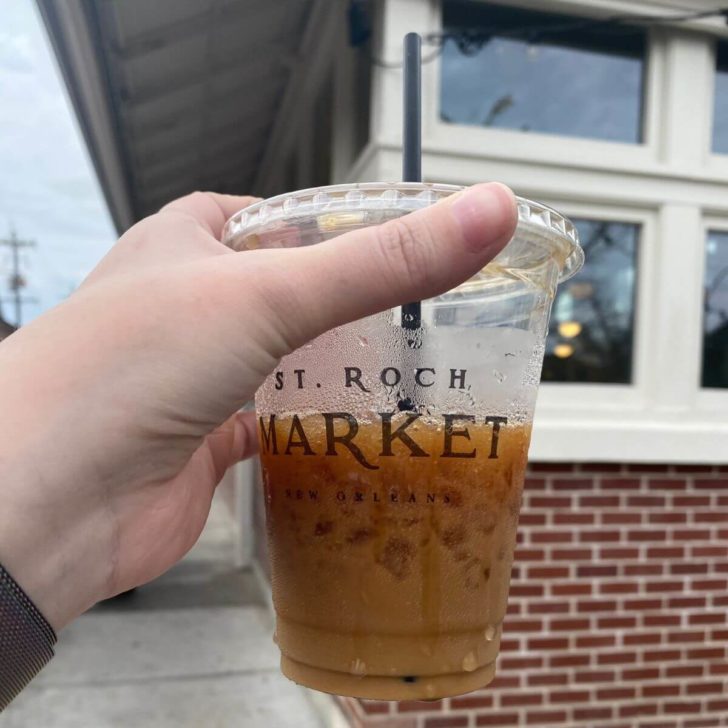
pixel 686 625
pixel 626 474
pixel 710 641
pixel 547 596
pixel 602 488
pixel 624 527
pixel 572 647
pixel 545 693
pixel 621 612
pixel 576 509
pixel 573 671
pixel 552 562
pixel 557 563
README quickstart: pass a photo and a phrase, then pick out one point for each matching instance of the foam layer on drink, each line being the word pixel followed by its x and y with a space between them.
pixel 390 579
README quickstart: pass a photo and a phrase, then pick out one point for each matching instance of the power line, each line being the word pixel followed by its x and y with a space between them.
pixel 16 280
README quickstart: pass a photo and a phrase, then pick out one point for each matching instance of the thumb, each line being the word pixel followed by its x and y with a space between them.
pixel 423 254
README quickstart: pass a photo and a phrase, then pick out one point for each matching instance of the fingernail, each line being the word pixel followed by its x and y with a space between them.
pixel 486 214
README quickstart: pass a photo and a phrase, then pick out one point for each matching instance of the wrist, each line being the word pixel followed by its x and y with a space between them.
pixel 57 552
pixel 54 527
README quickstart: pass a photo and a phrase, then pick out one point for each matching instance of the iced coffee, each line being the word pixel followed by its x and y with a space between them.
pixel 393 452
pixel 392 548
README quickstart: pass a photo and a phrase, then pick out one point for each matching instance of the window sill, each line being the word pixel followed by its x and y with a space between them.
pixel 632 436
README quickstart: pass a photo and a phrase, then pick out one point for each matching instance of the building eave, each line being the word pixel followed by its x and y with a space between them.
pixel 72 33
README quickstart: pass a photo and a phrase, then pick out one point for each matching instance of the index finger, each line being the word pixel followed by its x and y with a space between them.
pixel 211 210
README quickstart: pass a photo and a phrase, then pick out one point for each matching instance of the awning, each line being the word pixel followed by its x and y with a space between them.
pixel 178 95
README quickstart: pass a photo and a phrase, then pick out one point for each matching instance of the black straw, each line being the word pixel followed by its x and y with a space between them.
pixel 412 142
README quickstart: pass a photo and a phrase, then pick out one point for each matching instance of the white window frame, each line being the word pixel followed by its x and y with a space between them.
pixel 562 397
pixel 672 185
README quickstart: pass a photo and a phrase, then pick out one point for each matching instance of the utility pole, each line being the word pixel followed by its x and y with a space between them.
pixel 16 280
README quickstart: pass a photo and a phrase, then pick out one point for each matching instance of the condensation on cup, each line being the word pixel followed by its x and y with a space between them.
pixel 393 456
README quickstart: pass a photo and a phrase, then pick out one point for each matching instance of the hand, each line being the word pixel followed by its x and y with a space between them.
pixel 118 407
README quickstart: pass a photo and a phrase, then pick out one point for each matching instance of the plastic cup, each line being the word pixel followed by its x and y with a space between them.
pixel 393 455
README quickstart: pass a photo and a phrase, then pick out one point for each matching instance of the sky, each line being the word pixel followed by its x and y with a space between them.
pixel 48 188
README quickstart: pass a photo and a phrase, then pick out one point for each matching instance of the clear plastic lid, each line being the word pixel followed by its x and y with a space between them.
pixel 541 233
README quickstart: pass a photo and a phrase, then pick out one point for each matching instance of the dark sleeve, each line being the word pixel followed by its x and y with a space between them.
pixel 26 639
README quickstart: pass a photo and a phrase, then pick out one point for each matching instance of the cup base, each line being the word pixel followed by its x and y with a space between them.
pixel 381 687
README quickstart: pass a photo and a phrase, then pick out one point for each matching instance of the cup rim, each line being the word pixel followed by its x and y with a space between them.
pixel 533 217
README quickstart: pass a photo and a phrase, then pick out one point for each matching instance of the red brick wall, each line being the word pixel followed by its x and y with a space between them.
pixel 618 607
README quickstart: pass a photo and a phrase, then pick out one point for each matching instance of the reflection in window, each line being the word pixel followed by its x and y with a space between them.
pixel 715 312
pixel 533 74
pixel 720 104
pixel 592 321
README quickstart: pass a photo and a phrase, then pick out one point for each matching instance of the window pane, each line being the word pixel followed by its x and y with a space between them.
pixel 720 105
pixel 592 321
pixel 715 312
pixel 585 83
